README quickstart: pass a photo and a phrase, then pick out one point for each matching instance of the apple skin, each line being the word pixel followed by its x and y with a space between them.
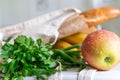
pixel 101 49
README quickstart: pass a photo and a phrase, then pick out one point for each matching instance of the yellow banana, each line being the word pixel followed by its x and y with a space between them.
pixel 62 44
pixel 75 38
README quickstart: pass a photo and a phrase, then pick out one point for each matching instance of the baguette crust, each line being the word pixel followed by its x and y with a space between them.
pixel 98 16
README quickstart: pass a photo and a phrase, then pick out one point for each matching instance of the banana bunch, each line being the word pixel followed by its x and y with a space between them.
pixel 72 39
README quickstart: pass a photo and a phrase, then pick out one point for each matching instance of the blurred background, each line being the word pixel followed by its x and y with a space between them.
pixel 16 11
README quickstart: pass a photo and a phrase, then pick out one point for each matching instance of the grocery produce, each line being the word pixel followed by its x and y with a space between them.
pixel 70 41
pixel 101 49
pixel 27 57
pixel 69 30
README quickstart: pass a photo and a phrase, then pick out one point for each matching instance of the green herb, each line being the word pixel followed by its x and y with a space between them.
pixel 27 57
pixel 68 57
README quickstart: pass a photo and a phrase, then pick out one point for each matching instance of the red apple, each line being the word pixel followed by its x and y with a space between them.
pixel 101 49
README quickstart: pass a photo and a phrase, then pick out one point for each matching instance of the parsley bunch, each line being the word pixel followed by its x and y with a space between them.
pixel 27 57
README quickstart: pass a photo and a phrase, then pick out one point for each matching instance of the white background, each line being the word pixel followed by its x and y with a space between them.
pixel 16 11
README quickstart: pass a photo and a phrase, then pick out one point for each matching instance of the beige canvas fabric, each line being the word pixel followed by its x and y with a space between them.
pixel 48 27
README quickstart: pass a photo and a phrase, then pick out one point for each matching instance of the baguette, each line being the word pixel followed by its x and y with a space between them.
pixel 82 22
pixel 100 15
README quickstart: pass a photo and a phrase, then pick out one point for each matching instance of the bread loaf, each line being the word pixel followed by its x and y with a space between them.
pixel 97 16
pixel 81 22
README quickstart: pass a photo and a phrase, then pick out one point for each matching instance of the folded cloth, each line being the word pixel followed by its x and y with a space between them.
pixel 89 73
pixel 93 74
pixel 48 27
